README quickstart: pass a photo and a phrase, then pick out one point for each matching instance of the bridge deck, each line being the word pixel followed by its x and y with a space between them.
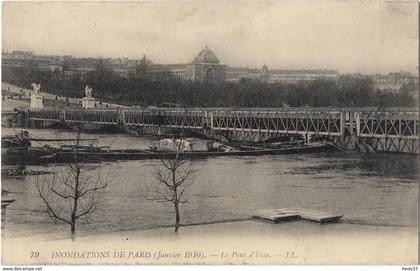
pixel 375 129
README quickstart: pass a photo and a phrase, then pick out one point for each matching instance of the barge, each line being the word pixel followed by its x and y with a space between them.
pixel 115 155
pixel 27 155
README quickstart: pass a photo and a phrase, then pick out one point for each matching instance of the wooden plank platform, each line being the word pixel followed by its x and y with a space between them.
pixel 287 214
pixel 276 216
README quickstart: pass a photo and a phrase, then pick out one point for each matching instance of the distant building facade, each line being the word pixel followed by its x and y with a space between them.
pixel 28 58
pixel 78 67
pixel 205 67
pixel 235 74
pixel 18 54
pixel 355 78
pixel 264 74
pixel 304 75
pixel 17 58
pixel 394 81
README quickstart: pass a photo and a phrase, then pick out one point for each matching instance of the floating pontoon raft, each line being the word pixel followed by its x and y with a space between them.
pixel 288 214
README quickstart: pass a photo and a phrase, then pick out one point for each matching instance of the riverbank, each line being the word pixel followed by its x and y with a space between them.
pixel 240 242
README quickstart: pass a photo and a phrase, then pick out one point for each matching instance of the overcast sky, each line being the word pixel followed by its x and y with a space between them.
pixel 350 37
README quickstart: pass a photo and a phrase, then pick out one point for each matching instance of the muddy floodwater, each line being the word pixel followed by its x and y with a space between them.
pixel 369 189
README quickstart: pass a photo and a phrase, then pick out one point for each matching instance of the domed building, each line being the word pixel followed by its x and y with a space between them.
pixel 206 56
pixel 206 67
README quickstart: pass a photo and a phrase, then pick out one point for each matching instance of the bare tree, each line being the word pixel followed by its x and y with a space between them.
pixel 70 194
pixel 173 176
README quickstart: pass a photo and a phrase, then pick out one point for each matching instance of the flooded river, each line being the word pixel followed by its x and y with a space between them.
pixel 368 189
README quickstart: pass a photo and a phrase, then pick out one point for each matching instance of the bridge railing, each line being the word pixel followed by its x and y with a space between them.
pixel 92 116
pixel 283 109
pixel 51 114
pixel 291 121
pixel 168 118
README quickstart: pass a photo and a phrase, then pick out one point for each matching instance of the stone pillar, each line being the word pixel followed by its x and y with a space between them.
pixel 308 138
pixel 37 101
pixel 88 102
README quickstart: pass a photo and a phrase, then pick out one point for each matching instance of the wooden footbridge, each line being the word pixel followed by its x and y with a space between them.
pixel 365 129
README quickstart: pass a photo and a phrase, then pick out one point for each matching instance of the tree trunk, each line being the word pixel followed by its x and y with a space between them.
pixel 177 218
pixel 76 188
pixel 73 229
pixel 175 198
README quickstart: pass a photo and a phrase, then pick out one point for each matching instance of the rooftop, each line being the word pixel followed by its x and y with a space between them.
pixel 206 56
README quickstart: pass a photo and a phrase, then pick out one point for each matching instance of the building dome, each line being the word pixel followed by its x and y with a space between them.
pixel 206 56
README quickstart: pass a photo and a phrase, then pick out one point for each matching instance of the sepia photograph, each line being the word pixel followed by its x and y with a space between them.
pixel 209 133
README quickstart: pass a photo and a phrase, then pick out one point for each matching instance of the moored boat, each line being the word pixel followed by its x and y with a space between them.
pixel 18 140
pixel 138 154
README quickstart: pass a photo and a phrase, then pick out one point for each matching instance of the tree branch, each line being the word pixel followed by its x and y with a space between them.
pixel 164 197
pixel 164 163
pixel 92 189
pixel 180 195
pixel 61 195
pixel 91 207
pixel 50 210
pixel 163 179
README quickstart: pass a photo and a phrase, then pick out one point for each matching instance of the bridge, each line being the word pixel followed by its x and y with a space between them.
pixel 365 129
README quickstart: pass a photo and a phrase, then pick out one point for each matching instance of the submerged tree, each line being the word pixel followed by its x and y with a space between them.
pixel 70 194
pixel 173 177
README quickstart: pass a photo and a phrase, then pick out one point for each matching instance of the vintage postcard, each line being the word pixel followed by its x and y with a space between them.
pixel 191 132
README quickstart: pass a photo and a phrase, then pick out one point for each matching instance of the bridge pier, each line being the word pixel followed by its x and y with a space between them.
pixel 308 138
